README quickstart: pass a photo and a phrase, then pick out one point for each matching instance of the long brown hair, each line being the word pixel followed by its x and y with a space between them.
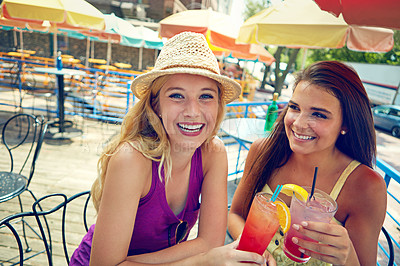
pixel 358 143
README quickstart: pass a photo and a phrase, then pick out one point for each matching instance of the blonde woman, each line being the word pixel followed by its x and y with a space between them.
pixel 151 176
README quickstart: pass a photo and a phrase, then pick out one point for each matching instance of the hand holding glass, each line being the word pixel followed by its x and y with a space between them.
pixel 261 224
pixel 321 208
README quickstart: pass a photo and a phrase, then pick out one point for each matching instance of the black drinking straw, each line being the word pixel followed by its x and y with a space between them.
pixel 313 183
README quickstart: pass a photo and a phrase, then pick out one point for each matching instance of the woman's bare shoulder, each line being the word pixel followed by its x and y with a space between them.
pixel 365 187
pixel 129 150
pixel 127 156
pixel 214 146
pixel 128 169
pixel 258 143
pixel 255 148
pixel 368 180
pixel 213 154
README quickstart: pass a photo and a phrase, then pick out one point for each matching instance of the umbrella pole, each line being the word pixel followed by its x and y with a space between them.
pixel 303 63
pixel 87 52
pixel 396 93
pixel 254 66
pixel 92 50
pixel 21 39
pixel 55 48
pixel 15 38
pixel 108 51
pixel 140 57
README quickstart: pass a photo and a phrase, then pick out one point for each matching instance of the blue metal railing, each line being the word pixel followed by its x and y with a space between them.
pixel 392 213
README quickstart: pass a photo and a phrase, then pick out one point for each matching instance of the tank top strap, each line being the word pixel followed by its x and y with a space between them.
pixel 267 189
pixel 343 177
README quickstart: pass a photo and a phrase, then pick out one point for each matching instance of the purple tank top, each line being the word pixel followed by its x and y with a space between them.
pixel 154 216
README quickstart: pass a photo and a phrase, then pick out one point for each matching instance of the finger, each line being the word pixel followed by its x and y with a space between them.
pixel 234 244
pixel 327 253
pixel 313 246
pixel 319 256
pixel 330 234
pixel 327 228
pixel 270 259
pixel 323 238
pixel 331 237
pixel 251 257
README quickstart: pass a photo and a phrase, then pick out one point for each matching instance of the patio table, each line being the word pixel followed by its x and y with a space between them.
pixel 122 65
pixel 60 95
pixel 105 67
pixel 19 54
pixel 245 131
pixel 97 61
pixel 31 52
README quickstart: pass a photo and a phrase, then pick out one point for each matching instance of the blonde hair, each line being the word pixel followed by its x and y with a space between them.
pixel 143 129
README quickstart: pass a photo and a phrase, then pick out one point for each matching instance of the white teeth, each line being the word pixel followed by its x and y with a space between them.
pixel 302 137
pixel 190 128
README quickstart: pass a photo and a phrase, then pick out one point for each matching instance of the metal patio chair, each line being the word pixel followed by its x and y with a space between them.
pixel 59 205
pixel 389 252
pixel 22 138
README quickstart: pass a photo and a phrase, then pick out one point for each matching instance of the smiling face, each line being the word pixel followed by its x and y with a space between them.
pixel 314 119
pixel 188 108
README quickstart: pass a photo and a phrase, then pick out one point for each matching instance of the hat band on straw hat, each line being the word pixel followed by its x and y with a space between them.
pixel 190 66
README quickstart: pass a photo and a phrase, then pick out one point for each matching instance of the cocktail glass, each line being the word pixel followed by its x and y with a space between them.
pixel 321 208
pixel 261 224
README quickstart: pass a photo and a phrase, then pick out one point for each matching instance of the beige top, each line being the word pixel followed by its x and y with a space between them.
pixel 275 246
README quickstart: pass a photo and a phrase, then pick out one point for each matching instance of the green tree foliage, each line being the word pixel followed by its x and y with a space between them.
pixel 255 6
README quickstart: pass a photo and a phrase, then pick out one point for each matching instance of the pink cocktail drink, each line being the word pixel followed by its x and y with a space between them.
pixel 261 224
pixel 321 208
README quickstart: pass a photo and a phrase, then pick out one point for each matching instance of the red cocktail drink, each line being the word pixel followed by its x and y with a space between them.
pixel 261 224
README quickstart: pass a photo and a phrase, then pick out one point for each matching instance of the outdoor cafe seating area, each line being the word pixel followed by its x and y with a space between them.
pixel 99 91
pixel 68 166
pixel 95 101
pixel 95 92
pixel 55 121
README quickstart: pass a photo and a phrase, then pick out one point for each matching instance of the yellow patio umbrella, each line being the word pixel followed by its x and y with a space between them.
pixel 296 23
pixel 64 13
pixel 75 15
pixel 199 21
pixel 220 30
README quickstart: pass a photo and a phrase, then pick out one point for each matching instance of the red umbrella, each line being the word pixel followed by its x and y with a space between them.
pixel 378 13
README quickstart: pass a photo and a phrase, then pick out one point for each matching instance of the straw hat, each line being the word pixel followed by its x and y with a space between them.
pixel 187 52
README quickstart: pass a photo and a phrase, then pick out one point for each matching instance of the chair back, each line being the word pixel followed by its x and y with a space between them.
pixel 389 249
pixel 22 136
pixel 55 215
